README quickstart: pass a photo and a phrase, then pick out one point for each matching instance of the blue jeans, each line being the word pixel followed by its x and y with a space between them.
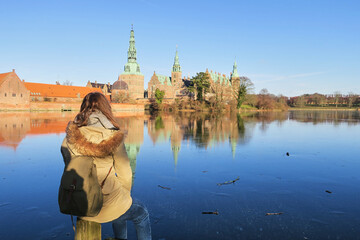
pixel 139 215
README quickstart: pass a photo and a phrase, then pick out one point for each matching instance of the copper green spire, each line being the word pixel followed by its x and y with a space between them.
pixel 235 73
pixel 132 67
pixel 132 49
pixel 176 66
pixel 175 150
pixel 132 151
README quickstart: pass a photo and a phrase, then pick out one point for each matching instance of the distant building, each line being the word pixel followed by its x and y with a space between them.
pixel 57 93
pixel 13 90
pixel 172 86
pixel 105 88
pixel 120 91
pixel 162 83
pixel 132 77
pixel 221 85
pixel 175 86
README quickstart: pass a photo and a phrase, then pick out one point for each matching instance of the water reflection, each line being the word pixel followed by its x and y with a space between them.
pixel 269 181
pixel 334 117
pixel 14 127
pixel 204 130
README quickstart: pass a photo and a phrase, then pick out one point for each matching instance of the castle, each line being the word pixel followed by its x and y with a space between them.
pixel 131 82
pixel 129 85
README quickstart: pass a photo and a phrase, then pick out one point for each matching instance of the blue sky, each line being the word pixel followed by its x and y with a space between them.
pixel 290 47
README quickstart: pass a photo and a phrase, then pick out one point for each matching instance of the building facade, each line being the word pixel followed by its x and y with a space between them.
pixel 57 93
pixel 105 88
pixel 222 86
pixel 13 90
pixel 175 86
pixel 172 86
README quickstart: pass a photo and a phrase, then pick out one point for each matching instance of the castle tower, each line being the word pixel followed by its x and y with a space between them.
pixel 176 75
pixel 132 151
pixel 235 72
pixel 235 79
pixel 132 75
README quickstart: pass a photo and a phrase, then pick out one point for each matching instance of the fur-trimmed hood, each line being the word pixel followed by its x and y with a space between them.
pixel 84 146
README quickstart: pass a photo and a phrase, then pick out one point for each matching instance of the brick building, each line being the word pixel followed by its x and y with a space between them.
pixel 13 90
pixel 162 83
pixel 175 86
pixel 57 93
pixel 221 85
pixel 105 88
pixel 172 86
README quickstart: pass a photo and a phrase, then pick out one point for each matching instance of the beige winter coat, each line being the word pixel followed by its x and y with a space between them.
pixel 107 148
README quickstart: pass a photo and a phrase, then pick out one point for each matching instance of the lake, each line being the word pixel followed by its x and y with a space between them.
pixel 303 164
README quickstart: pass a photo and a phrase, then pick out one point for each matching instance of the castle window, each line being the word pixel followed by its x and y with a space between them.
pixel 5 94
pixel 21 95
pixel 14 94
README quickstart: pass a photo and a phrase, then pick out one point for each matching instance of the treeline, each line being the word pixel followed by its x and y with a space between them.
pixel 266 100
pixel 202 95
pixel 320 100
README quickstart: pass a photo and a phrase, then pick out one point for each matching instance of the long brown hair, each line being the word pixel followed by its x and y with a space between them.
pixel 92 102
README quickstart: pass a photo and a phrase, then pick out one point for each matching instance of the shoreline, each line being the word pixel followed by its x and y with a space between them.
pixel 67 107
pixel 323 109
pixel 139 107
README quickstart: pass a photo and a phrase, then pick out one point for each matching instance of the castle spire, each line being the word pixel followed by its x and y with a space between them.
pixel 132 67
pixel 132 49
pixel 235 72
pixel 176 66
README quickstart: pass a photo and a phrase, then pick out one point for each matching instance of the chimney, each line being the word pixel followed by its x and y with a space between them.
pixel 13 70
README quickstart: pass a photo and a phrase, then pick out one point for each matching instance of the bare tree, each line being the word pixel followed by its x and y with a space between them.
pixel 67 83
pixel 337 96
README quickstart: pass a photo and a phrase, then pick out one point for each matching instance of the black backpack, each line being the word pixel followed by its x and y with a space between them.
pixel 80 192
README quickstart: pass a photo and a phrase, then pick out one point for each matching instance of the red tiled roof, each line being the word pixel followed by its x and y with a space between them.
pixel 3 76
pixel 52 90
pixel 48 128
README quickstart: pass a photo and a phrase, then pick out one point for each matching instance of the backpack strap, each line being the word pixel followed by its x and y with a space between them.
pixel 103 182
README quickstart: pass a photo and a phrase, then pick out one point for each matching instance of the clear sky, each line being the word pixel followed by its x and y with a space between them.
pixel 290 47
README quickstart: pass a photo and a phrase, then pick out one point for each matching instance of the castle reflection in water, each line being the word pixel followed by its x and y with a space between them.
pixel 204 131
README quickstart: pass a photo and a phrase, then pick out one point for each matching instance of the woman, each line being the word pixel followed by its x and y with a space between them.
pixel 94 132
